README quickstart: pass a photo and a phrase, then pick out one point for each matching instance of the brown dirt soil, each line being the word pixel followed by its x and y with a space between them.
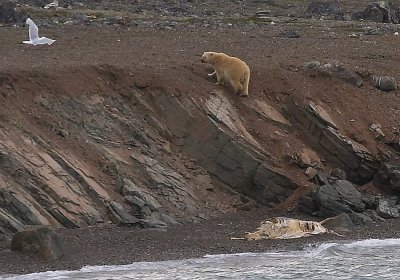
pixel 169 61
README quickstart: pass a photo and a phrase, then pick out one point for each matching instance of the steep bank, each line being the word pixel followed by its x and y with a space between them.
pixel 143 137
pixel 119 149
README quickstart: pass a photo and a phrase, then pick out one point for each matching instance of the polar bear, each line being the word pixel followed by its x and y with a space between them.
pixel 229 69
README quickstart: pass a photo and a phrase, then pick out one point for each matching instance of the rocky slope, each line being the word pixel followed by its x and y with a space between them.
pixel 123 125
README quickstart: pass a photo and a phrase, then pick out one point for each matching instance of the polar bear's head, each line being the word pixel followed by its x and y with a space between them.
pixel 208 57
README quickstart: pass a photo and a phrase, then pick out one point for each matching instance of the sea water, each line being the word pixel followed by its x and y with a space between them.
pixel 367 259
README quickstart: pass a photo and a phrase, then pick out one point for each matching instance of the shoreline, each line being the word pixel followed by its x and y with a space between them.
pixel 111 245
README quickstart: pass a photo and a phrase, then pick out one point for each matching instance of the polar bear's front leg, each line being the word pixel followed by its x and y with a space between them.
pixel 220 78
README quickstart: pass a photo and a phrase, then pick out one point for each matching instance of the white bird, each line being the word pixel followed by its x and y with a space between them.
pixel 34 35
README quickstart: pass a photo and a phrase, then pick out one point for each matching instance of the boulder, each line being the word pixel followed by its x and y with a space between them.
pixel 328 9
pixel 343 192
pixel 333 208
pixel 379 11
pixel 41 240
pixel 341 222
pixel 360 218
pixel 384 83
pixel 386 210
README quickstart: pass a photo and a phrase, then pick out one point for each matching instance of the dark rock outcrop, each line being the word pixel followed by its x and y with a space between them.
pixel 40 204
pixel 145 204
pixel 337 198
pixel 328 9
pixel 341 191
pixel 41 240
pixel 355 159
pixel 332 208
pixel 379 11
pixel 270 186
pixel 237 161
pixel 120 216
pixel 341 197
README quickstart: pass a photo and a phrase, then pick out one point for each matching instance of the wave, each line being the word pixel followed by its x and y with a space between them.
pixel 374 243
pixel 313 250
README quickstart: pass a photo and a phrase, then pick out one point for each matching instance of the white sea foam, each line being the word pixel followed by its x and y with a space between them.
pixel 320 249
pixel 374 243
pixel 220 256
pixel 310 251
